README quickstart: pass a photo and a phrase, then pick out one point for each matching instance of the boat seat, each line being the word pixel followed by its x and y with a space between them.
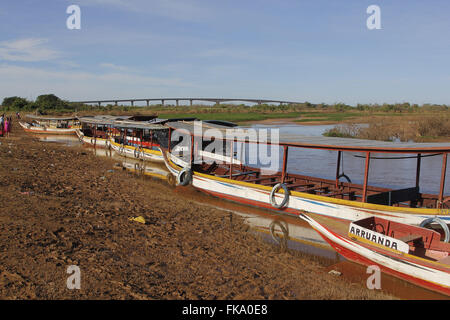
pixel 445 260
pixel 272 183
pixel 391 197
pixel 262 178
pixel 410 238
pixel 238 174
pixel 338 194
pixel 314 188
pixel 296 185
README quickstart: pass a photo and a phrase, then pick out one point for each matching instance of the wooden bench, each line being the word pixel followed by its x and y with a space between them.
pixel 296 185
pixel 391 197
pixel 410 238
pixel 238 174
pixel 262 178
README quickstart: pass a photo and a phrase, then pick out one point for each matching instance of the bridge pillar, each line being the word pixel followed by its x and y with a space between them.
pixel 217 102
pixel 148 102
pixel 132 103
pixel 176 101
pixel 162 102
pixel 190 102
pixel 259 102
pixel 115 103
pixel 99 103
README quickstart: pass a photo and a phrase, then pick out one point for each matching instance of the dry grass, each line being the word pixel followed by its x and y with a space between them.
pixel 426 128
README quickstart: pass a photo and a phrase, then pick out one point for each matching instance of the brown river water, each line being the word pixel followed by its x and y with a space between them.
pixel 288 231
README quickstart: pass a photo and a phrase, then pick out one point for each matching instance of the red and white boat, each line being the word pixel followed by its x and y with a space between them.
pixel 227 176
pixel 412 253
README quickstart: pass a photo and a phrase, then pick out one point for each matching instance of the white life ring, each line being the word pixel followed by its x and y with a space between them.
pixel 184 177
pixel 444 226
pixel 272 195
pixel 137 152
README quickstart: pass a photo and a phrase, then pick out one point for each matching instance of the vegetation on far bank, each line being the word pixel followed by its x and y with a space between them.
pixel 403 121
pixel 428 127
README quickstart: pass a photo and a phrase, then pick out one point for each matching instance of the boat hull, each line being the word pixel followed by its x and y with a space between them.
pixel 95 142
pixel 133 152
pixel 46 130
pixel 258 195
pixel 431 275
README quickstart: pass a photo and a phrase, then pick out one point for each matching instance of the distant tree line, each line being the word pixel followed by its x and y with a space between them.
pixel 43 103
pixel 51 103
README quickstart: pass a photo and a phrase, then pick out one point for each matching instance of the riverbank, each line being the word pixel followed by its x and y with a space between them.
pixel 63 206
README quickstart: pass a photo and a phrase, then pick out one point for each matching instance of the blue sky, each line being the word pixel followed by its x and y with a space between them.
pixel 317 51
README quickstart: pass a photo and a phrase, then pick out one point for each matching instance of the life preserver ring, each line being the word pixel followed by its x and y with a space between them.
pixel 444 226
pixel 184 177
pixel 137 152
pixel 286 195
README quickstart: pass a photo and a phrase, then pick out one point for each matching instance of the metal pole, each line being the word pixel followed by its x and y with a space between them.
pixel 444 169
pixel 366 176
pixel 337 168
pixel 192 149
pixel 285 156
pixel 231 158
pixel 419 158
pixel 170 136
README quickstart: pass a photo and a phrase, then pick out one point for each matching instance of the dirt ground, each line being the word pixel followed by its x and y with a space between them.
pixel 62 206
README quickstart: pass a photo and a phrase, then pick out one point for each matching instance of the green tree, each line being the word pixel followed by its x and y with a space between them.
pixel 50 101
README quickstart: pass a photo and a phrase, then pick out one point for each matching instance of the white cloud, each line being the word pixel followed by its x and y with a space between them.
pixel 26 50
pixel 81 85
pixel 187 10
pixel 115 67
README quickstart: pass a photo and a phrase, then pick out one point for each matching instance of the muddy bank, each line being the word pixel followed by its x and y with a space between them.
pixel 62 206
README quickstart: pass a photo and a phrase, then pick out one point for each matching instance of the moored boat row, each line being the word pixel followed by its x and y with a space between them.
pixel 326 204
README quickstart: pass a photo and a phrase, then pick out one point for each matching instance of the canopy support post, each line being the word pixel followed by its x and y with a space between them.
pixel 170 138
pixel 419 158
pixel 285 156
pixel 192 150
pixel 337 168
pixel 231 158
pixel 441 189
pixel 366 177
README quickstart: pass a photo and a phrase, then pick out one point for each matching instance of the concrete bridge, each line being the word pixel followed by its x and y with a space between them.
pixel 163 100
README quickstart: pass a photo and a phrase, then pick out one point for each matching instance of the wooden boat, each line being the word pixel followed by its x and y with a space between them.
pixel 51 125
pixel 97 131
pixel 411 253
pixel 289 193
pixel 138 139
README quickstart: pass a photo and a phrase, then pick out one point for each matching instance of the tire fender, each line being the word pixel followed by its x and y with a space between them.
pixel 286 195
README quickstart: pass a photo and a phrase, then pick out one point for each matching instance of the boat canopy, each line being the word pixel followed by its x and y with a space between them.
pixel 44 118
pixel 138 125
pixel 313 142
pixel 103 119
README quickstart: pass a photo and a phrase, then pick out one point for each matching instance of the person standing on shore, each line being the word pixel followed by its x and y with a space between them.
pixel 2 118
pixel 6 127
pixel 9 124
